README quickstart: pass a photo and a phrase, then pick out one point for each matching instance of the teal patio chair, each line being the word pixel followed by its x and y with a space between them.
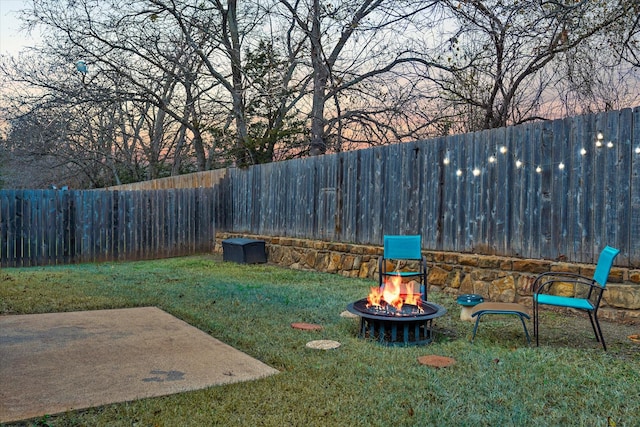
pixel 588 292
pixel 404 248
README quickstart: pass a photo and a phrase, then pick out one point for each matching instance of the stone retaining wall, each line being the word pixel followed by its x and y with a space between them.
pixel 495 278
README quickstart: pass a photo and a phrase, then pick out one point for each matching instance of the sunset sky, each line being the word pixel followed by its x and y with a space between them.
pixel 11 39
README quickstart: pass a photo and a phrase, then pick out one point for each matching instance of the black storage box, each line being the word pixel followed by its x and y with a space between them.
pixel 243 251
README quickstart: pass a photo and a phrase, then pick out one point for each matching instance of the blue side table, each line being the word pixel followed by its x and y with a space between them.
pixel 468 301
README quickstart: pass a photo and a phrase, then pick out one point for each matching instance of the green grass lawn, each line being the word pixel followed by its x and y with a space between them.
pixel 497 381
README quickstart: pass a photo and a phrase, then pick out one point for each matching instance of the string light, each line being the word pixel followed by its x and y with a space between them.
pixel 538 169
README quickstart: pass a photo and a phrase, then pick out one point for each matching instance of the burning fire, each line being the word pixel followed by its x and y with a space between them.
pixel 394 293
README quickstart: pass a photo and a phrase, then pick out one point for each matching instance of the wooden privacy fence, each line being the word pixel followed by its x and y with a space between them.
pixel 559 189
pixel 40 227
pixel 547 190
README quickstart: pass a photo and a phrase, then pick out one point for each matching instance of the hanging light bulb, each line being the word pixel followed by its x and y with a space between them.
pixel 518 164
pixel 583 151
pixel 600 136
pixel 459 172
pixel 476 172
pixel 561 166
pixel 446 161
pixel 492 159
pixel 598 143
pixel 539 169
pixel 637 150
pixel 610 144
pixel 503 149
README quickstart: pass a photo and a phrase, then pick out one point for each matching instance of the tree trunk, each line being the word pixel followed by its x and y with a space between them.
pixel 242 156
pixel 318 144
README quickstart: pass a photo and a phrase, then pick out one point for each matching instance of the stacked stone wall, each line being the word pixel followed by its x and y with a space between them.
pixel 496 278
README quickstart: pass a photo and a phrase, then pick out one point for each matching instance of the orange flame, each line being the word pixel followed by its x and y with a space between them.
pixel 374 299
pixel 391 292
pixel 412 297
pixel 394 293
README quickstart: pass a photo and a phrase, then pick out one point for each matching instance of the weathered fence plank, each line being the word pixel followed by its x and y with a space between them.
pixel 40 227
pixel 512 161
pixel 633 249
pixel 449 194
pixel 376 195
pixel 427 199
pixel 625 155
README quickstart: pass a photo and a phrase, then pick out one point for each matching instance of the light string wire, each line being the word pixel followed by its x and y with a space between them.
pixel 520 164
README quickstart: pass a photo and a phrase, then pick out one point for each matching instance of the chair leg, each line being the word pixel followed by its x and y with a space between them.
pixel 593 326
pixel 536 319
pixel 526 333
pixel 475 328
pixel 599 335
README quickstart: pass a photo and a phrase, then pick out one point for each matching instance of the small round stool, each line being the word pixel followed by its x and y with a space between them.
pixel 468 301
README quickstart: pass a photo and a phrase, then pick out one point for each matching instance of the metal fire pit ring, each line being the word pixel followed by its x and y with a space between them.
pixel 392 330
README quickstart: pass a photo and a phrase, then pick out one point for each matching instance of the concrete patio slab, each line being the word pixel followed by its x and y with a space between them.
pixel 52 363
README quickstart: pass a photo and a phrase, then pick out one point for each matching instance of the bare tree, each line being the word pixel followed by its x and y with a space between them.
pixel 624 36
pixel 130 60
pixel 351 44
pixel 587 83
pixel 501 49
pixel 140 89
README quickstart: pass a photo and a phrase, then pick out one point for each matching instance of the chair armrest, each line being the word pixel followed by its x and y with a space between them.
pixel 545 280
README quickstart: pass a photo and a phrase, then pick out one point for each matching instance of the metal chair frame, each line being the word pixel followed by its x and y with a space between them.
pixel 500 308
pixel 405 247
pixel 588 303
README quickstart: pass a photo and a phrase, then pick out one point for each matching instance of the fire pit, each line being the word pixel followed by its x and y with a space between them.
pixel 393 317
